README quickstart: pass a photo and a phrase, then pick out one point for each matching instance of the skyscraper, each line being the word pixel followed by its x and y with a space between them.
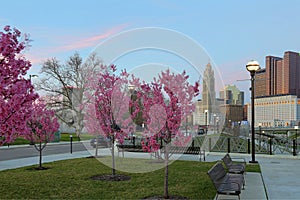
pixel 272 65
pixel 232 95
pixel 291 74
pixel 206 107
pixel 280 77
pixel 208 94
pixel 232 109
pixel 260 83
pixel 279 104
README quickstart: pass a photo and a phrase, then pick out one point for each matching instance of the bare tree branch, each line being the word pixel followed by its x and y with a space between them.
pixel 64 85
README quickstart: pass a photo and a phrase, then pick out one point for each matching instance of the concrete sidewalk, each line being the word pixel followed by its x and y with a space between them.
pixel 281 177
pixel 12 164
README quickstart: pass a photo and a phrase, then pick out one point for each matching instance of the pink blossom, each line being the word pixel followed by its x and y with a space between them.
pixel 42 123
pixel 107 112
pixel 163 114
pixel 16 92
pixel 167 101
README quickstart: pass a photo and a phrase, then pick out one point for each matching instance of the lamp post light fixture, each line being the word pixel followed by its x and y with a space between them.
pixel 32 76
pixel 252 66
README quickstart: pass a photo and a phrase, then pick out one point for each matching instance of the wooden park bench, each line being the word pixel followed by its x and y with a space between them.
pixel 225 183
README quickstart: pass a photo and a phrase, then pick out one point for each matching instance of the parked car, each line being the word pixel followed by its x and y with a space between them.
pixel 102 142
pixel 200 131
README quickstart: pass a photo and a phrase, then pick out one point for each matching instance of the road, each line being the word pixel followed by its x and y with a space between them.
pixel 10 153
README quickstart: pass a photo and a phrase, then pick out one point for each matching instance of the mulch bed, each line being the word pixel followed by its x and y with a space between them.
pixel 110 177
pixel 38 168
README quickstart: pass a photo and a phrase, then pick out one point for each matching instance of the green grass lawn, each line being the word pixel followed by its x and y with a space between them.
pixel 70 179
pixel 19 141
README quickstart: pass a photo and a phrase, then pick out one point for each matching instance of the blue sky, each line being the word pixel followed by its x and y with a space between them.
pixel 231 32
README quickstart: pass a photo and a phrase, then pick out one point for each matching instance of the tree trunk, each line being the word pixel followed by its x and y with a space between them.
pixel 40 150
pixel 113 158
pixel 96 153
pixel 78 133
pixel 166 182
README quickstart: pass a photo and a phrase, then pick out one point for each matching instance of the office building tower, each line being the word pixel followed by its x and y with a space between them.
pixel 260 83
pixel 281 76
pixel 208 93
pixel 232 95
pixel 273 64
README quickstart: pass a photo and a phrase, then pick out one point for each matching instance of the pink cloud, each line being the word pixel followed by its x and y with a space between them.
pixel 91 41
pixel 39 54
pixel 34 59
pixel 234 70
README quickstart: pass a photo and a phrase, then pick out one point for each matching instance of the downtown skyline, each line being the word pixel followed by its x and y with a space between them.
pixel 231 32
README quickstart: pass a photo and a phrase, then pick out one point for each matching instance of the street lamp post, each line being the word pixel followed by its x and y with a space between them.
pixel 252 67
pixel 215 117
pixel 259 126
pixel 217 124
pixel 239 129
pixel 30 76
pixel 295 142
pixel 206 111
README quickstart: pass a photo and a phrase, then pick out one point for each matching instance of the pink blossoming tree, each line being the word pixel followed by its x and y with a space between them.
pixel 16 92
pixel 108 108
pixel 43 124
pixel 167 102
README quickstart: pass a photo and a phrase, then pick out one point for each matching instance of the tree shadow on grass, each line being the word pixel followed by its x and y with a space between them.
pixel 110 177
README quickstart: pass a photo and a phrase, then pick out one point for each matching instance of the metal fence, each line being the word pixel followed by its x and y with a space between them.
pixel 263 144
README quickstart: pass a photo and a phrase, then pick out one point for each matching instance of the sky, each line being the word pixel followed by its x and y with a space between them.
pixel 230 33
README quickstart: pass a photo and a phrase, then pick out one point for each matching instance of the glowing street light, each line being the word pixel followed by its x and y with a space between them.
pixel 252 67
